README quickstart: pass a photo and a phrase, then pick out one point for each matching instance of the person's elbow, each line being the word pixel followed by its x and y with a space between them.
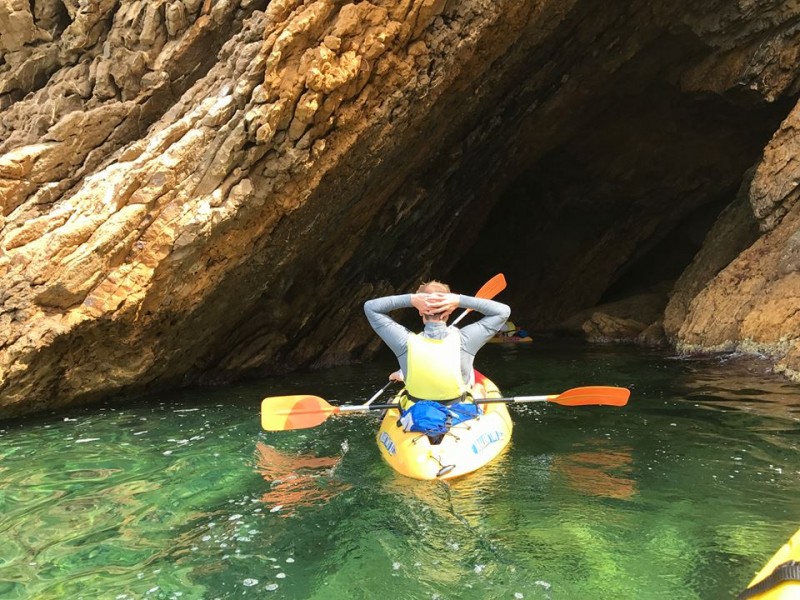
pixel 505 311
pixel 369 307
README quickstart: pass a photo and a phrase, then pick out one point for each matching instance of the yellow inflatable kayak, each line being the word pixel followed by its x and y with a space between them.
pixel 510 340
pixel 780 577
pixel 467 446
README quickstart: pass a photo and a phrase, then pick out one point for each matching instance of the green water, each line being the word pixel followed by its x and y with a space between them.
pixel 684 493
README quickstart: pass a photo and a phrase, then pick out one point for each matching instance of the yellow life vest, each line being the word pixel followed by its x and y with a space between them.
pixel 434 368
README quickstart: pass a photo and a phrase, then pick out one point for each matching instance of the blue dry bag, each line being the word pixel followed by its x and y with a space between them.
pixel 434 418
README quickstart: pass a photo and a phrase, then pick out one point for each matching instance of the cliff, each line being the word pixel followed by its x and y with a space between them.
pixel 194 190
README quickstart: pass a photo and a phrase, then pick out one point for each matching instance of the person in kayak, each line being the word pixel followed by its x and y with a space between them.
pixel 511 333
pixel 437 363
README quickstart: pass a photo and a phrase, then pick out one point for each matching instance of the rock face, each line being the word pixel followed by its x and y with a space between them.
pixel 194 190
pixel 753 303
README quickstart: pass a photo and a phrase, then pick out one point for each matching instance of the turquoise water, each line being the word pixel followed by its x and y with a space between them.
pixel 684 493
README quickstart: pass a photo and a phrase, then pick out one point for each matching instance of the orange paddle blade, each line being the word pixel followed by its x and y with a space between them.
pixel 491 288
pixel 282 413
pixel 592 395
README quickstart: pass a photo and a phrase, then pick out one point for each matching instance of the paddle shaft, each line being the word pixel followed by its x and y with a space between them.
pixel 512 400
pixel 378 393
pixel 489 290
pixel 282 413
pixel 460 317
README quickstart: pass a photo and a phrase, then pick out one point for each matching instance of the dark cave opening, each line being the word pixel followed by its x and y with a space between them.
pixel 620 208
pixel 665 259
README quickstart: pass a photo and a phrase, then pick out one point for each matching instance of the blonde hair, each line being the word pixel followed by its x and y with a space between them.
pixel 432 287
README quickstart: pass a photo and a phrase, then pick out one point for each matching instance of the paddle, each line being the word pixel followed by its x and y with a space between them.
pixel 378 393
pixel 489 290
pixel 284 413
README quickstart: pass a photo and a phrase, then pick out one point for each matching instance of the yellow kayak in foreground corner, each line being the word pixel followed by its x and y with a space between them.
pixel 467 446
pixel 780 577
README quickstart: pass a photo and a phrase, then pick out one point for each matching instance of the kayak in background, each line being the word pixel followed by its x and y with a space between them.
pixel 465 447
pixel 510 339
pixel 780 577
pixel 511 334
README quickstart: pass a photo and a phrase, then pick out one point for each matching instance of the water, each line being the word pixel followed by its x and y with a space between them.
pixel 684 493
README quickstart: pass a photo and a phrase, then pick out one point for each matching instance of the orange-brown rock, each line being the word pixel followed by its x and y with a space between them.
pixel 194 190
pixel 603 328
pixel 752 304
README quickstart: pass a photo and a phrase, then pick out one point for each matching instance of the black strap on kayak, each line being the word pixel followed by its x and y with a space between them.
pixel 788 571
pixel 465 397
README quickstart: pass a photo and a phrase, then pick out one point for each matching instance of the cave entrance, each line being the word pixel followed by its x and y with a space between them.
pixel 621 206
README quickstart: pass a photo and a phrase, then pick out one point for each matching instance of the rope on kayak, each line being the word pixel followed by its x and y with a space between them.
pixel 788 571
pixel 445 469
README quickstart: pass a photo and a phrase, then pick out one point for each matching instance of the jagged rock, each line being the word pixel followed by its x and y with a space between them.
pixel 653 336
pixel 643 307
pixel 18 27
pixel 753 304
pixel 196 190
pixel 734 231
pixel 789 363
pixel 624 320
pixel 774 189
pixel 604 329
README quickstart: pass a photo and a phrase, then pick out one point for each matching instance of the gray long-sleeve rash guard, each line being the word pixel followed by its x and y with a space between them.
pixel 473 336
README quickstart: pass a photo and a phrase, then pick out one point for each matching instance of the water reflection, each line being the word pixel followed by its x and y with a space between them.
pixel 748 388
pixel 467 496
pixel 445 537
pixel 297 479
pixel 603 473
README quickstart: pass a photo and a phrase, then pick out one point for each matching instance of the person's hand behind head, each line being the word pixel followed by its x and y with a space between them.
pixel 442 305
pixel 420 301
